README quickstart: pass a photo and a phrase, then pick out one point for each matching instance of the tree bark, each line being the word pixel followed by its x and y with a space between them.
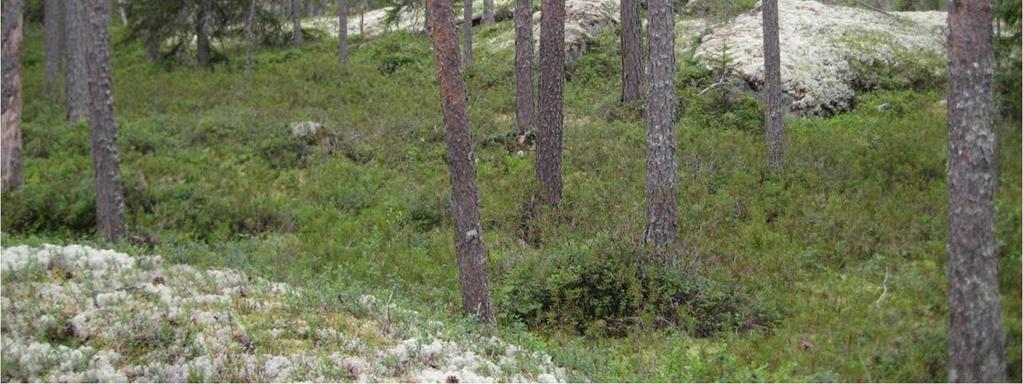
pixel 661 163
pixel 105 156
pixel 524 113
pixel 250 19
pixel 122 11
pixel 632 51
pixel 10 138
pixel 471 252
pixel 774 124
pixel 488 11
pixel 976 338
pixel 53 19
pixel 342 33
pixel 76 88
pixel 467 32
pixel 202 37
pixel 552 83
pixel 426 17
pixel 363 7
pixel 296 19
pixel 152 49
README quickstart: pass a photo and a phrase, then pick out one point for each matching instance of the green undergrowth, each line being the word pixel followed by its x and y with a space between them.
pixel 780 275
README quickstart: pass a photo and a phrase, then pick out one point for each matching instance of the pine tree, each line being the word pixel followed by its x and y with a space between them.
pixel 552 83
pixel 976 339
pixel 10 138
pixel 469 247
pixel 661 163
pixel 106 158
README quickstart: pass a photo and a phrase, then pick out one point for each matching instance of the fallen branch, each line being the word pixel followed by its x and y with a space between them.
pixel 712 86
pixel 883 12
pixel 884 289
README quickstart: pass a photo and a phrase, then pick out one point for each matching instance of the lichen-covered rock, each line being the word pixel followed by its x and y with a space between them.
pixel 823 45
pixel 584 19
pixel 74 314
pixel 304 128
pixel 380 20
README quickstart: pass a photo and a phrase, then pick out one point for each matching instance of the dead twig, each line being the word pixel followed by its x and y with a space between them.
pixel 883 12
pixel 884 289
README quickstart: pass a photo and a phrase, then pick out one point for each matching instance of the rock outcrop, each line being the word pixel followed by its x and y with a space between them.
pixel 822 46
pixel 828 52
pixel 79 314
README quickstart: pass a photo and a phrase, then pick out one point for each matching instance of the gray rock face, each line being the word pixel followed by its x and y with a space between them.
pixel 821 47
pixel 583 20
pixel 304 128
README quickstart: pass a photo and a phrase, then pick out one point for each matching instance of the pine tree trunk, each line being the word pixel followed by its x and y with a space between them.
pixel 152 49
pixel 632 51
pixel 53 18
pixel 976 338
pixel 362 18
pixel 552 83
pixel 467 34
pixel 471 252
pixel 250 38
pixel 105 156
pixel 524 116
pixel 202 37
pixel 426 17
pixel 773 115
pixel 488 11
pixel 10 138
pixel 342 33
pixel 76 87
pixel 661 163
pixel 122 12
pixel 296 19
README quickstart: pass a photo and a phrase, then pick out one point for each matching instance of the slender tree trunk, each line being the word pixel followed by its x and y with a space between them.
pixel 471 252
pixel 552 82
pixel 524 116
pixel 661 163
pixel 426 16
pixel 364 6
pixel 76 88
pixel 632 51
pixel 488 11
pixel 10 138
pixel 342 33
pixel 467 32
pixel 976 338
pixel 152 49
pixel 53 14
pixel 296 19
pixel 105 156
pixel 773 115
pixel 250 38
pixel 122 12
pixel 202 37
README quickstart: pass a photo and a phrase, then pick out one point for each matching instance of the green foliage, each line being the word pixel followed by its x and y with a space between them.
pixel 214 179
pixel 902 70
pixel 1008 77
pixel 717 10
pixel 172 23
pixel 598 288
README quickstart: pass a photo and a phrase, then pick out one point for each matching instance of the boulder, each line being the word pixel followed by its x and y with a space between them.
pixel 828 53
pixel 306 129
pixel 583 20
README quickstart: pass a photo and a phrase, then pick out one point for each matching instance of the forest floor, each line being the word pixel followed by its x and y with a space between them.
pixel 844 251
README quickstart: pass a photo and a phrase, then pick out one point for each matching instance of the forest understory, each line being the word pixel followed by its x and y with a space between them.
pixel 302 218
